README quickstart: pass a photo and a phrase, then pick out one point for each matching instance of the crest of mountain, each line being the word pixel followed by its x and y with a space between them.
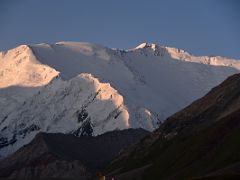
pixel 88 89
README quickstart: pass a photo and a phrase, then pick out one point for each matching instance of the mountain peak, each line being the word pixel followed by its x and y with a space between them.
pixel 19 66
pixel 147 45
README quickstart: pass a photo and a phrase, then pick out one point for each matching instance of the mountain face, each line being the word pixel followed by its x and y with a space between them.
pixel 200 141
pixel 67 156
pixel 88 89
pixel 81 106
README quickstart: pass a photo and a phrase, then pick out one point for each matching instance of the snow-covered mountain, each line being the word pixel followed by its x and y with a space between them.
pixel 81 106
pixel 88 89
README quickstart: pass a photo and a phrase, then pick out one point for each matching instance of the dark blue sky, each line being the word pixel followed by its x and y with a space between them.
pixel 204 27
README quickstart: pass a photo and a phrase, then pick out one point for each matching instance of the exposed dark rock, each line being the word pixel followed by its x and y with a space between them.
pixel 82 115
pixel 5 142
pixel 86 129
pixel 28 130
pixel 67 156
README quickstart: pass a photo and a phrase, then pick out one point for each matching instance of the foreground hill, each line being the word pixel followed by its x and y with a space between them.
pixel 201 141
pixel 88 89
pixel 67 156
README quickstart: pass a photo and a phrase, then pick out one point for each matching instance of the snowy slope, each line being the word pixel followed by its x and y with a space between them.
pixel 21 76
pixel 20 67
pixel 152 79
pixel 82 106
pixel 41 89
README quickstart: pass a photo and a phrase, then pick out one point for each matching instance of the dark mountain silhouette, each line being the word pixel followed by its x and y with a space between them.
pixel 66 156
pixel 201 141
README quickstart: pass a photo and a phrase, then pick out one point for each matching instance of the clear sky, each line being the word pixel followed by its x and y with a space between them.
pixel 202 27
